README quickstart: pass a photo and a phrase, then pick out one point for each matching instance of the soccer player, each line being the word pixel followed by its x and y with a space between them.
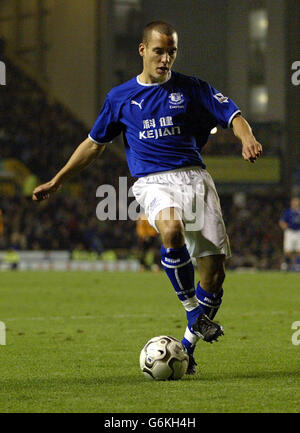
pixel 290 224
pixel 166 118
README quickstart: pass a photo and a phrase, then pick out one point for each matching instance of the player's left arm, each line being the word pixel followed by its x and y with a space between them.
pixel 283 225
pixel 251 148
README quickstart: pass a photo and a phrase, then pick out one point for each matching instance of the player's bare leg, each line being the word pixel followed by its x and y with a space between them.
pixel 171 228
pixel 293 259
pixel 212 272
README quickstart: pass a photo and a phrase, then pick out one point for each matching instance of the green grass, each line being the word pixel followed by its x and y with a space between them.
pixel 74 338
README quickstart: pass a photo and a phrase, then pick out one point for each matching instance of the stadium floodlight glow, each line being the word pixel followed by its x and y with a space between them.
pixel 259 99
pixel 258 24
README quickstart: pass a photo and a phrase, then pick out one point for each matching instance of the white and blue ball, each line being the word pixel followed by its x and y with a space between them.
pixel 164 358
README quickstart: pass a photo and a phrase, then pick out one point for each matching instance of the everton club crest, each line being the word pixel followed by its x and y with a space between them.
pixel 176 98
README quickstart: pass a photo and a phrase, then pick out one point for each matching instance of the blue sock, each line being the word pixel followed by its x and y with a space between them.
pixel 189 341
pixel 210 302
pixel 179 267
pixel 193 314
pixel 190 347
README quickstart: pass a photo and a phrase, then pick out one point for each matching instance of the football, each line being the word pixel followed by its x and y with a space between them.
pixel 164 358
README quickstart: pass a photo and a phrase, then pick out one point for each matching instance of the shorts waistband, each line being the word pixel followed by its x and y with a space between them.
pixel 176 170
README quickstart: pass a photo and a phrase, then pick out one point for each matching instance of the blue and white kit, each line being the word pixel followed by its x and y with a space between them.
pixel 164 128
pixel 291 236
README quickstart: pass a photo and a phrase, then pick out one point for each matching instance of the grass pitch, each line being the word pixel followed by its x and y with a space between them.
pixel 74 338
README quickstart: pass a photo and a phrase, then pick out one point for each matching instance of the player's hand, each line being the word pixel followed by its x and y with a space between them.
pixel 251 149
pixel 42 192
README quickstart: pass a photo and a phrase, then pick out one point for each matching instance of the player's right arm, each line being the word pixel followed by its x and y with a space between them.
pixel 83 156
pixel 105 129
pixel 283 224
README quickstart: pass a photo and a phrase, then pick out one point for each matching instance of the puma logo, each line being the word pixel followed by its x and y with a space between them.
pixel 139 104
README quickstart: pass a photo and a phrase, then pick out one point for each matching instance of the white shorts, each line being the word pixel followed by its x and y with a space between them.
pixel 192 191
pixel 291 241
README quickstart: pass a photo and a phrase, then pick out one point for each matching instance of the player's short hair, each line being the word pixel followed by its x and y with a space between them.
pixel 160 26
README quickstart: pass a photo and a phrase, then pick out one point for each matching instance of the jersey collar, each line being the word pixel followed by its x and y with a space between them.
pixel 153 84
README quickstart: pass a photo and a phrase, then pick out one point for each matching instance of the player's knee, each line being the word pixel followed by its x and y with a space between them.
pixel 172 234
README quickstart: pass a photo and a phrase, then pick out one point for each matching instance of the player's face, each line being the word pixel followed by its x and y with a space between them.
pixel 158 54
pixel 295 203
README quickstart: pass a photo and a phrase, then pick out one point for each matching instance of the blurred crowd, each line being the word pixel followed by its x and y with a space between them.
pixel 43 134
pixel 269 133
pixel 253 230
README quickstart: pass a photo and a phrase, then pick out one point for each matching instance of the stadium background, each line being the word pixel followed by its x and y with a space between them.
pixel 61 59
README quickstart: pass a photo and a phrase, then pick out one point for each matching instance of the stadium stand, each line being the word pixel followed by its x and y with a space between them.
pixel 42 134
pixel 255 237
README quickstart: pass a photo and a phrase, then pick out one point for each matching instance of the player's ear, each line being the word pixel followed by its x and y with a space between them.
pixel 142 47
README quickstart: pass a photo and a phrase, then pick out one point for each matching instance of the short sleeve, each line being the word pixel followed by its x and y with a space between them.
pixel 284 216
pixel 107 125
pixel 220 107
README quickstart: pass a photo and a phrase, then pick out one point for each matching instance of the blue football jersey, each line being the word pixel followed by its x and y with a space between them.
pixel 292 218
pixel 164 126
